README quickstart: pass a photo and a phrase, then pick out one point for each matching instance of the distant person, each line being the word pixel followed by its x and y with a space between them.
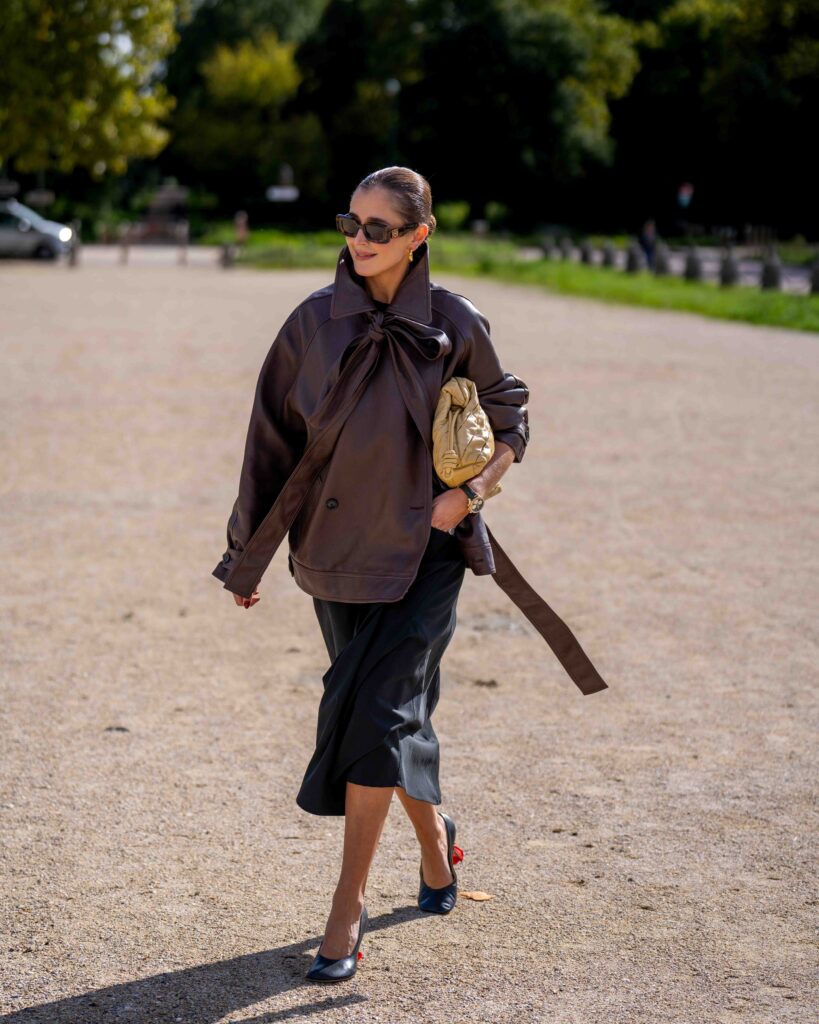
pixel 648 241
pixel 241 227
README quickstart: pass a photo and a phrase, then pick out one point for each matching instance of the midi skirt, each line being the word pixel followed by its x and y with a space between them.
pixel 374 718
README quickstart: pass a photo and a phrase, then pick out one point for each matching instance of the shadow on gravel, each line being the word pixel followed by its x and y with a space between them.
pixel 206 994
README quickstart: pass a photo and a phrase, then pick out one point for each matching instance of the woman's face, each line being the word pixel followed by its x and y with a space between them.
pixel 371 258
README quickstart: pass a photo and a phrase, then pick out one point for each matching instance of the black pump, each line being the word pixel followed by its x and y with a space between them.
pixel 324 969
pixel 441 901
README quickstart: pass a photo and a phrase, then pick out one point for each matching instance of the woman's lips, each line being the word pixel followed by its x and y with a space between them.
pixel 364 255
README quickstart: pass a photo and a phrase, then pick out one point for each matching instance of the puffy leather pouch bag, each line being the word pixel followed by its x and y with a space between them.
pixel 462 439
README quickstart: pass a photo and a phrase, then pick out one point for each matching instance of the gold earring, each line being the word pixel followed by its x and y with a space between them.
pixel 409 255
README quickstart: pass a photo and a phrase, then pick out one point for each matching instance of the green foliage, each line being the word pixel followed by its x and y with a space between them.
pixel 451 216
pixel 532 105
pixel 585 57
pixel 586 112
pixel 237 131
pixel 496 213
pixel 260 73
pixel 77 84
pixel 724 99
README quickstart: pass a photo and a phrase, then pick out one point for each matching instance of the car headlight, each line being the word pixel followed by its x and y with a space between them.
pixel 65 235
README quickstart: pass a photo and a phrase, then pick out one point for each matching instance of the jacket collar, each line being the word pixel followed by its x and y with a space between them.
pixel 412 300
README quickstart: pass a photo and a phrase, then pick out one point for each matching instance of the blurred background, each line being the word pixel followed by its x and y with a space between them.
pixel 543 124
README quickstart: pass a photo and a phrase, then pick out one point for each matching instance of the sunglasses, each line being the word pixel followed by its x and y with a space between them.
pixel 349 225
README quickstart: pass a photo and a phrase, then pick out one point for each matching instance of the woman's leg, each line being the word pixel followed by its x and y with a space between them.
pixel 365 811
pixel 431 833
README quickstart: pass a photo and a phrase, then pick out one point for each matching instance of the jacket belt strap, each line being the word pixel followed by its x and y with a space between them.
pixel 547 622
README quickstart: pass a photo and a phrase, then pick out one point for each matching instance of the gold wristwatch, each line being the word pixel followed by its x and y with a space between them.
pixel 476 502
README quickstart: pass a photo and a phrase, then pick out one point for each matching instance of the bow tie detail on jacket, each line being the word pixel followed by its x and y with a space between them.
pixel 428 341
pixel 406 340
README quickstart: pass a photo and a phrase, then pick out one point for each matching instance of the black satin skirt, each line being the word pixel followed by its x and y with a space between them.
pixel 374 719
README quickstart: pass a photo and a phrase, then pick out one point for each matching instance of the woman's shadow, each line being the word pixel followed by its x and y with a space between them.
pixel 200 995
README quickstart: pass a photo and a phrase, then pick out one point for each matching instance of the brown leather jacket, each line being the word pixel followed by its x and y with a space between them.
pixel 338 455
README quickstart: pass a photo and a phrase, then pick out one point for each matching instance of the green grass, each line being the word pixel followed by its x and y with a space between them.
pixel 776 309
pixel 497 259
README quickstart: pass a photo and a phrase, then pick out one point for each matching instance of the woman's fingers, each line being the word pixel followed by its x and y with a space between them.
pixel 247 602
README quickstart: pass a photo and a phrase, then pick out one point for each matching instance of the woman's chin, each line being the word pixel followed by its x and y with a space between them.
pixel 365 266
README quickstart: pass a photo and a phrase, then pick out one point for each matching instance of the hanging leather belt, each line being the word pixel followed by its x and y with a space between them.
pixel 546 621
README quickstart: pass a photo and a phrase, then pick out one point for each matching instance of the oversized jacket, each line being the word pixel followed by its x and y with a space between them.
pixel 338 454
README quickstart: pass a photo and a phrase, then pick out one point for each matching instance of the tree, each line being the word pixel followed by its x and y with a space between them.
pixel 723 99
pixel 77 82
pixel 236 136
pixel 491 99
pixel 232 74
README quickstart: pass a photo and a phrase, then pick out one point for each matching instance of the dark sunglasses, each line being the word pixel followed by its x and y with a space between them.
pixel 348 225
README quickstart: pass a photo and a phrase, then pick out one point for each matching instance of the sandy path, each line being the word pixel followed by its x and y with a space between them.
pixel 650 848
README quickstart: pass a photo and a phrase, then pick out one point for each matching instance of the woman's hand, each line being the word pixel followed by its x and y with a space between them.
pixel 449 508
pixel 247 602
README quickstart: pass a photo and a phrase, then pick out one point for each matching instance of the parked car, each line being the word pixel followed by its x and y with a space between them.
pixel 23 232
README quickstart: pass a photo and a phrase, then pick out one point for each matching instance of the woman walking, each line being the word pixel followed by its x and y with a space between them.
pixel 338 458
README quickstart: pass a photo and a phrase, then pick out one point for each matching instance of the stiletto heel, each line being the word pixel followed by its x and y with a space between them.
pixel 441 901
pixel 324 969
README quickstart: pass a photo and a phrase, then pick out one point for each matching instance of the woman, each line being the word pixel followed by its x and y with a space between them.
pixel 338 454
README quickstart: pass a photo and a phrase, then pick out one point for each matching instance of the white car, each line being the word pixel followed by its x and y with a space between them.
pixel 23 232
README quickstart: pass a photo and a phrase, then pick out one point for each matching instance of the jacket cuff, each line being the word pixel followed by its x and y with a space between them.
pixel 225 566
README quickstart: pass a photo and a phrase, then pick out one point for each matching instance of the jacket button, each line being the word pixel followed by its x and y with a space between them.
pixel 226 557
pixel 332 503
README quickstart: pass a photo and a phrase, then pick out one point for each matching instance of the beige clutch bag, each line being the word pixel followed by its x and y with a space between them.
pixel 462 440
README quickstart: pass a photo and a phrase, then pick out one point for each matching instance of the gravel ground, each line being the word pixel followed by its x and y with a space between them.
pixel 649 849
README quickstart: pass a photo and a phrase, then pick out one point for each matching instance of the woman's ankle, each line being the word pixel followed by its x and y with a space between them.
pixel 432 842
pixel 348 903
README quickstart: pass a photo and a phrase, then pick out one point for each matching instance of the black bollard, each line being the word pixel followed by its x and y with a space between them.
pixel 635 258
pixel 814 276
pixel 547 244
pixel 662 260
pixel 586 252
pixel 566 247
pixel 728 268
pixel 771 278
pixel 74 250
pixel 693 265
pixel 182 232
pixel 609 255
pixel 227 255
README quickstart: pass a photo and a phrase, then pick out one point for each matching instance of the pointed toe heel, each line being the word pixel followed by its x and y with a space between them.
pixel 325 969
pixel 442 901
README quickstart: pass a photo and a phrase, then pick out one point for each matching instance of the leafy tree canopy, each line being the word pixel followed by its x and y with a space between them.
pixel 78 82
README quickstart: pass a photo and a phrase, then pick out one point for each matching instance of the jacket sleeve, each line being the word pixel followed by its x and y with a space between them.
pixel 276 437
pixel 502 395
